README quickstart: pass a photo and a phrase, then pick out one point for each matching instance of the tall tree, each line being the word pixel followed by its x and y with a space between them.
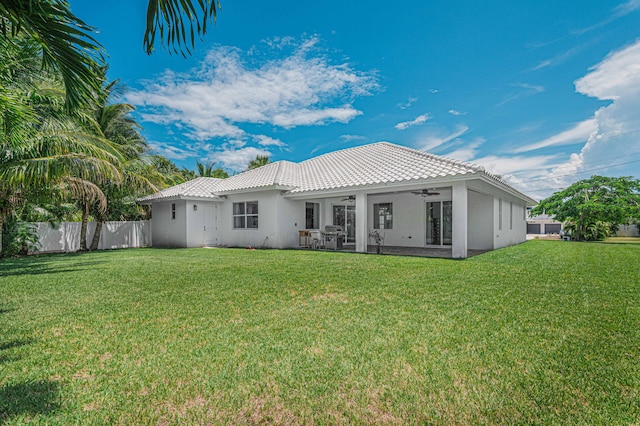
pixel 113 122
pixel 64 40
pixel 209 170
pixel 592 207
pixel 41 146
pixel 259 161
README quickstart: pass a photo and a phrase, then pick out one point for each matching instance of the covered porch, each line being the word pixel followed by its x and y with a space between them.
pixel 429 220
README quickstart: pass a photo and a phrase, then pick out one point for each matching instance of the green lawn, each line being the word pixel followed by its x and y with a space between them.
pixel 546 332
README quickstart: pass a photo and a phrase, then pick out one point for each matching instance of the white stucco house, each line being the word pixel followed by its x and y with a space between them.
pixel 414 198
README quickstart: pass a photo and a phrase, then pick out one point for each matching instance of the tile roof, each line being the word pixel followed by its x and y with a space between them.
pixel 281 174
pixel 377 163
pixel 202 187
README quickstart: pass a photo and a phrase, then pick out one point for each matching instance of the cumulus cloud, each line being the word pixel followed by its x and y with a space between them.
pixel 268 141
pixel 415 122
pixel 236 159
pixel 611 147
pixel 171 152
pixel 231 90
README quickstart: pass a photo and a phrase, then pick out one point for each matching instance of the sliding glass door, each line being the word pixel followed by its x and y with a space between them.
pixel 439 218
pixel 345 216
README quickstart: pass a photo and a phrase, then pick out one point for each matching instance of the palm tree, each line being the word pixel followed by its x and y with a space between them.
pixel 113 122
pixel 259 161
pixel 41 146
pixel 178 22
pixel 67 45
pixel 64 40
pixel 208 170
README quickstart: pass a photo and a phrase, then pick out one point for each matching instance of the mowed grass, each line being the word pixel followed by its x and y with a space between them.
pixel 546 332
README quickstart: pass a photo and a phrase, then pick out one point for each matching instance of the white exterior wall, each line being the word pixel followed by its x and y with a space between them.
pixel 509 234
pixel 409 217
pixel 480 217
pixel 291 219
pixel 169 232
pixel 267 233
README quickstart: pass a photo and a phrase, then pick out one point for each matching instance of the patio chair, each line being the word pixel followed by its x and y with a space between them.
pixel 317 240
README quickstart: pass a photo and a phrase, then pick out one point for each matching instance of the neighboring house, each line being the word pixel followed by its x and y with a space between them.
pixel 542 224
pixel 416 199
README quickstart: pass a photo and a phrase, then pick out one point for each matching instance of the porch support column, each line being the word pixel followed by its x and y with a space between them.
pixel 362 236
pixel 459 225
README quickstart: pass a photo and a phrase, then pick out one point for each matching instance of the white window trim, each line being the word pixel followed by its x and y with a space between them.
pixel 245 215
pixel 375 216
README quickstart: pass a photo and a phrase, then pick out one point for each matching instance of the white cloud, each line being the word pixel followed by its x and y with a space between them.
pixel 626 8
pixel 618 12
pixel 434 140
pixel 523 90
pixel 236 159
pixel 456 113
pixel 578 133
pixel 611 146
pixel 268 141
pixel 349 138
pixel 562 57
pixel 171 152
pixel 467 152
pixel 227 92
pixel 513 164
pixel 615 77
pixel 408 103
pixel 415 122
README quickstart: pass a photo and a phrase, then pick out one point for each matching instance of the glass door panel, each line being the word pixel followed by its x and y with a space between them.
pixel 345 216
pixel 350 231
pixel 447 220
pixel 433 223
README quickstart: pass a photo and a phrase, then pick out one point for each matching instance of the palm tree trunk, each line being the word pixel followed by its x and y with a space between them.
pixel 83 226
pixel 96 235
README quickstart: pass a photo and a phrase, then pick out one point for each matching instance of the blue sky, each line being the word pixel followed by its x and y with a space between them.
pixel 543 93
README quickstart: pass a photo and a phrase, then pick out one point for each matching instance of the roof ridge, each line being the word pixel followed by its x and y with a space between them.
pixel 343 150
pixel 472 166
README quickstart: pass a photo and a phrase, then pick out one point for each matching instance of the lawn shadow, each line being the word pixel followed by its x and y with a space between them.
pixel 41 264
pixel 30 398
pixel 4 358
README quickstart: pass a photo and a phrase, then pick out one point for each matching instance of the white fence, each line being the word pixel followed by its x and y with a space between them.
pixel 627 231
pixel 66 236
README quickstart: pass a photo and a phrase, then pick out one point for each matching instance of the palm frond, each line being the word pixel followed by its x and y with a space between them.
pixel 178 22
pixel 66 42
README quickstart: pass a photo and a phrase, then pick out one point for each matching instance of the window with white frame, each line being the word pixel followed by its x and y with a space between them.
pixel 245 215
pixel 312 216
pixel 500 214
pixel 383 216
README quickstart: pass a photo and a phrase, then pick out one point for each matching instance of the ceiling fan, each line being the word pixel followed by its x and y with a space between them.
pixel 349 198
pixel 425 193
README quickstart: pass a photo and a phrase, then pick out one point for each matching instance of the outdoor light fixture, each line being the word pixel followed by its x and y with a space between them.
pixel 195 207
